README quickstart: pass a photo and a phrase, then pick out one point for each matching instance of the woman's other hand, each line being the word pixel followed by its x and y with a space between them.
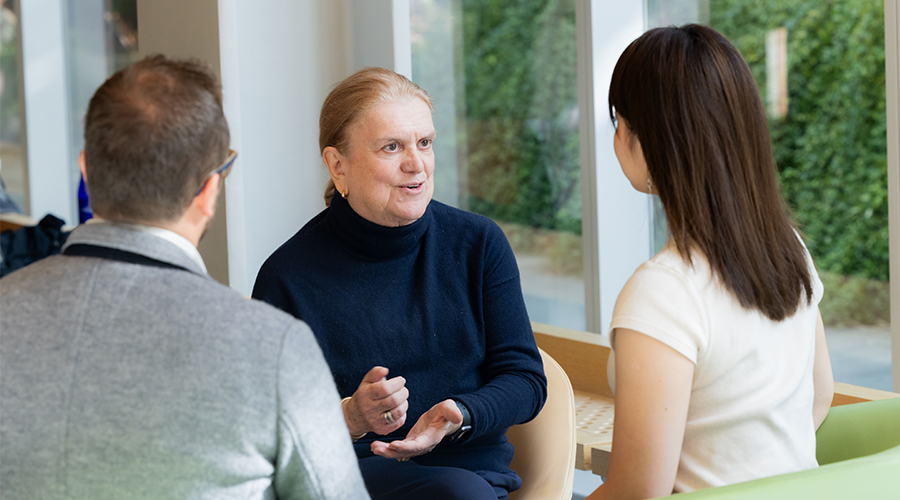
pixel 379 404
pixel 441 420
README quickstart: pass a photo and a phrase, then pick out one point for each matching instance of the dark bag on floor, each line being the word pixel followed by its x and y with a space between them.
pixel 31 243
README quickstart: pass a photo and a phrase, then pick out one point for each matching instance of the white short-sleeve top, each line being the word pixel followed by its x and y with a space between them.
pixel 750 413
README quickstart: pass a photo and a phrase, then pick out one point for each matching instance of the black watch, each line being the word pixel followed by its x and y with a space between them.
pixel 466 425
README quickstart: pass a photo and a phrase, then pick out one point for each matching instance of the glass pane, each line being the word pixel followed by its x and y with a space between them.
pixel 102 37
pixel 13 174
pixel 503 78
pixel 121 33
pixel 820 70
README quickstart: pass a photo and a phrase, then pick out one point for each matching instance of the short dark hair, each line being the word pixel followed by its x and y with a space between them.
pixel 692 102
pixel 153 133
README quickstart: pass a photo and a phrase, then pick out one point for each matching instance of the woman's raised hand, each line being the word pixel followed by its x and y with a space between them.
pixel 379 404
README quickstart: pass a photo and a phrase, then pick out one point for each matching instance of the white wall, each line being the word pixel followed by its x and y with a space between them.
pixel 189 29
pixel 279 59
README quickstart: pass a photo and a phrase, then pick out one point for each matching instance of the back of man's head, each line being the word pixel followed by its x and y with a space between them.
pixel 153 133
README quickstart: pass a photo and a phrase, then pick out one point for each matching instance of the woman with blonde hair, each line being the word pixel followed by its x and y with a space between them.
pixel 719 363
pixel 392 282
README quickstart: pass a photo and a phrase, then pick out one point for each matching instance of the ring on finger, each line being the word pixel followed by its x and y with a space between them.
pixel 388 418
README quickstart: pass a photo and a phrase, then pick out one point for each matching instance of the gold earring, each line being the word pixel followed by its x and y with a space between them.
pixel 649 185
pixel 344 194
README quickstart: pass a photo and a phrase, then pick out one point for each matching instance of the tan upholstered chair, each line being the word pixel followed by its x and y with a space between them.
pixel 545 447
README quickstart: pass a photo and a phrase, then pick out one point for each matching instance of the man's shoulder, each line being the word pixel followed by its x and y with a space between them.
pixel 167 295
pixel 48 272
pixel 230 309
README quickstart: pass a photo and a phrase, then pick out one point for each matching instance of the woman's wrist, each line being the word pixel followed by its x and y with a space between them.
pixel 355 432
pixel 465 426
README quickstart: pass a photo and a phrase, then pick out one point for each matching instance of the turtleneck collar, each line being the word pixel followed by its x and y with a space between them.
pixel 370 241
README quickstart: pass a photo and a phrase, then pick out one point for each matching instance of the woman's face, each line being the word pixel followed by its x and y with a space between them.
pixel 387 173
pixel 630 155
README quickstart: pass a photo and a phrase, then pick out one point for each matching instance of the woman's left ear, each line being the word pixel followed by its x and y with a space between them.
pixel 335 162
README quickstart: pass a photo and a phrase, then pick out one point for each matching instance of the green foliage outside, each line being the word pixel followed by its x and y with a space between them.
pixel 831 147
pixel 853 301
pixel 10 126
pixel 522 112
pixel 521 115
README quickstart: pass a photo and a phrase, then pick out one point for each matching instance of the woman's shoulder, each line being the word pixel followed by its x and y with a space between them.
pixel 672 261
pixel 465 233
pixel 670 272
pixel 449 218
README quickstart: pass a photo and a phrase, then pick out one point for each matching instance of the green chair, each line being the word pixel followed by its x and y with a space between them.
pixel 858 449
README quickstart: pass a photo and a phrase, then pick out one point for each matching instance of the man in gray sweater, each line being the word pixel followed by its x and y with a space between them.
pixel 125 370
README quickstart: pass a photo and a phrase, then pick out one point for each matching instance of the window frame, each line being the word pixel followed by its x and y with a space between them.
pixel 892 95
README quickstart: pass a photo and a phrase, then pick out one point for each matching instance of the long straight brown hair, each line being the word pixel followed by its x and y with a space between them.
pixel 690 99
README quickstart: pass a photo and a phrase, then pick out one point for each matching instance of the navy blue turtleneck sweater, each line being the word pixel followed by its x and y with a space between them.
pixel 438 302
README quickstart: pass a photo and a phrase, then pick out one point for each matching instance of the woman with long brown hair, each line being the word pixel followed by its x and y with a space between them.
pixel 721 373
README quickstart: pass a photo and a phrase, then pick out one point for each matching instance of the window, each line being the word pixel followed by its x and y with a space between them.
pixel 58 70
pixel 503 78
pixel 12 147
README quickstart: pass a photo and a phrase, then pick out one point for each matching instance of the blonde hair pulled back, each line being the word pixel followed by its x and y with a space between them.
pixel 353 96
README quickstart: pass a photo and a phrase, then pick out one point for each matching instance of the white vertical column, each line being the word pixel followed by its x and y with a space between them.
pixel 47 110
pixel 278 61
pixel 892 73
pixel 381 35
pixel 616 218
pixel 235 220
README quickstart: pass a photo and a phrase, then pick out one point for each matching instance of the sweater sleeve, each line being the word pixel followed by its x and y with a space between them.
pixel 315 456
pixel 516 387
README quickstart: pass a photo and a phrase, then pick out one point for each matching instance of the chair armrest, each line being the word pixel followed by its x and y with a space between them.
pixel 845 394
pixel 857 430
pixel 582 355
pixel 872 477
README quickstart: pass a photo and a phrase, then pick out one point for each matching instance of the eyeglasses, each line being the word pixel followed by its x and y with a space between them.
pixel 222 171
